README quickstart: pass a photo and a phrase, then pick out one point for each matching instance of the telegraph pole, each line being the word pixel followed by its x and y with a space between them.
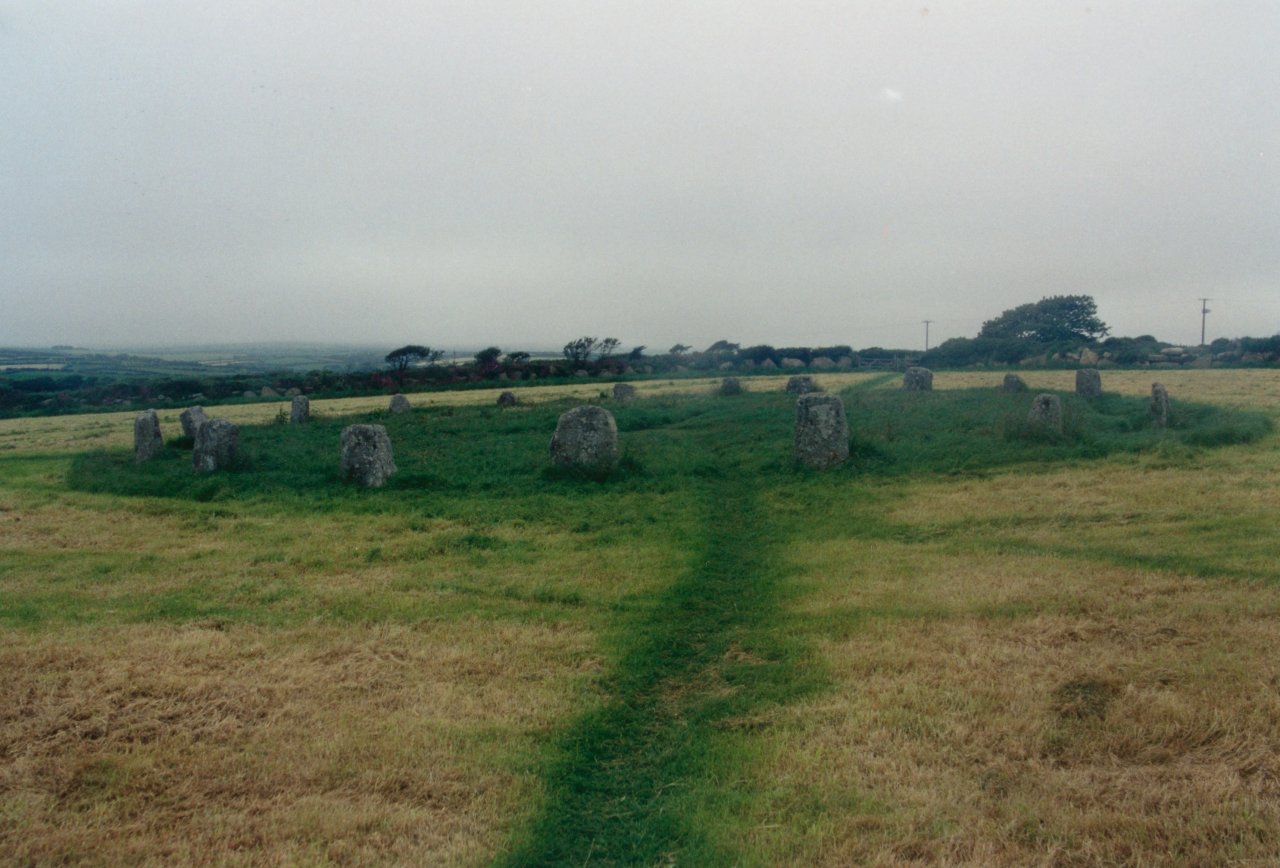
pixel 926 334
pixel 1204 311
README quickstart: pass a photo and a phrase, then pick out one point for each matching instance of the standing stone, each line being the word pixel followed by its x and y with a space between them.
pixel 1088 383
pixel 917 380
pixel 731 386
pixel 399 404
pixel 192 418
pixel 1159 406
pixel 586 437
pixel 624 392
pixel 366 455
pixel 802 385
pixel 216 443
pixel 507 399
pixel 300 410
pixel 147 442
pixel 1046 413
pixel 1013 383
pixel 822 431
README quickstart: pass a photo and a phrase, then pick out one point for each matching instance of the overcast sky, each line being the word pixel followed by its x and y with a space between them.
pixel 522 173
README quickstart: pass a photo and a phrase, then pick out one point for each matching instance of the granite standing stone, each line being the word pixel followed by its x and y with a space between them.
pixel 192 418
pixel 1046 413
pixel 147 441
pixel 508 399
pixel 1159 406
pixel 217 441
pixel 917 380
pixel 586 437
pixel 1088 383
pixel 300 410
pixel 802 385
pixel 624 392
pixel 366 455
pixel 822 431
pixel 731 386
pixel 399 404
pixel 1013 383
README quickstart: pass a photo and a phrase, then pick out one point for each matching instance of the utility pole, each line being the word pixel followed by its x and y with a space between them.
pixel 926 334
pixel 1204 311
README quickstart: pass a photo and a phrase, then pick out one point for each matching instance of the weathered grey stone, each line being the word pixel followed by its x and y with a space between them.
pixel 1159 406
pixel 1013 383
pixel 586 437
pixel 300 410
pixel 917 380
pixel 1088 383
pixel 217 441
pixel 366 455
pixel 623 392
pixel 191 419
pixel 822 431
pixel 802 385
pixel 1046 413
pixel 507 399
pixel 399 404
pixel 792 363
pixel 147 440
pixel 731 386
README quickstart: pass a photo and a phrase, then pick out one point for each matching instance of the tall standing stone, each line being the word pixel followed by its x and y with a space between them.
pixel 586 437
pixel 300 410
pixel 822 431
pixel 366 455
pixel 191 419
pixel 802 385
pixel 1046 413
pixel 399 404
pixel 147 441
pixel 917 380
pixel 217 442
pixel 1159 406
pixel 624 392
pixel 1088 383
pixel 1013 383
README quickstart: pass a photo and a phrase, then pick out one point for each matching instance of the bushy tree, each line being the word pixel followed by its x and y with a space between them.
pixel 577 352
pixel 400 359
pixel 1049 320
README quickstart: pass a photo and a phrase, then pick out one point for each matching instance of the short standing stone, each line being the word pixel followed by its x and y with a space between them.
pixel 731 386
pixel 147 442
pixel 366 455
pixel 822 431
pixel 623 392
pixel 917 380
pixel 1159 405
pixel 507 399
pixel 399 404
pixel 192 418
pixel 300 410
pixel 802 385
pixel 1013 383
pixel 1088 383
pixel 586 437
pixel 1046 413
pixel 216 443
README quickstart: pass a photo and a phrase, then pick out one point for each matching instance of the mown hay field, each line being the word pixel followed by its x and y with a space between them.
pixel 963 647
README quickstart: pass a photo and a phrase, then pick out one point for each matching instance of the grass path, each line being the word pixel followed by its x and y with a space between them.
pixel 699 662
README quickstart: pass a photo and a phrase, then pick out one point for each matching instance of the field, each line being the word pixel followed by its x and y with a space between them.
pixel 968 645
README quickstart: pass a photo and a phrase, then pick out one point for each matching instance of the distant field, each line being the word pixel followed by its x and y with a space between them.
pixel 964 646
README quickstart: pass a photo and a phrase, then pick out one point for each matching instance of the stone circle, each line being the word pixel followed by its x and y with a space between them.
pixel 802 384
pixel 822 431
pixel 191 419
pixel 1159 405
pixel 399 404
pixel 917 380
pixel 586 437
pixel 366 455
pixel 147 440
pixel 1088 383
pixel 1013 383
pixel 300 410
pixel 1046 413
pixel 217 442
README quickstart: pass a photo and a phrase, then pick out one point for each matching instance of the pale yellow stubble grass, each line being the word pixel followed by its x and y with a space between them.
pixel 180 744
pixel 1253 387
